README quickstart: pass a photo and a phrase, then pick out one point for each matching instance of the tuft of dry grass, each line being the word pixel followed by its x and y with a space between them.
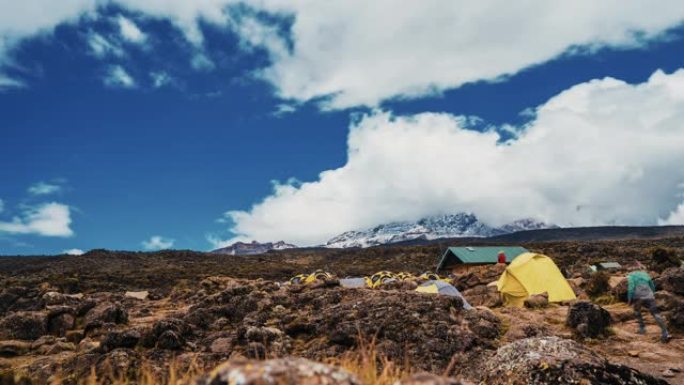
pixel 144 375
pixel 371 367
pixel 365 362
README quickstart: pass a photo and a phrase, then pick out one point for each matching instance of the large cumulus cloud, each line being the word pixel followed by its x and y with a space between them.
pixel 354 52
pixel 601 152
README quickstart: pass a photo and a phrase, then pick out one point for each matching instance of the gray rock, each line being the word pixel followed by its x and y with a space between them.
pixel 284 371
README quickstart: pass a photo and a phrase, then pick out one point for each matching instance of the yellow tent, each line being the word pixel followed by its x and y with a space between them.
pixel 530 274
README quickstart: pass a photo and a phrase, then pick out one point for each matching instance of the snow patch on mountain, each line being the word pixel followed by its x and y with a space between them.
pixel 461 225
pixel 243 248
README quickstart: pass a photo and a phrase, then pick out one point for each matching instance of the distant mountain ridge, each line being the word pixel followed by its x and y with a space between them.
pixel 461 225
pixel 243 248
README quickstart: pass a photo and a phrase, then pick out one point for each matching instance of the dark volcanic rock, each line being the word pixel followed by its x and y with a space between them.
pixel 170 331
pixel 170 340
pixel 120 339
pixel 663 258
pixel 277 372
pixel 61 320
pixel 7 299
pixel 537 301
pixel 23 326
pixel 483 295
pixel 484 323
pixel 672 280
pixel 14 348
pixel 103 313
pixel 588 320
pixel 551 360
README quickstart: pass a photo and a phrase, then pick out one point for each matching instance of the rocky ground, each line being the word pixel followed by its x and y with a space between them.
pixel 121 315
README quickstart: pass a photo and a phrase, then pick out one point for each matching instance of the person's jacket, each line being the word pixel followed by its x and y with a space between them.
pixel 639 286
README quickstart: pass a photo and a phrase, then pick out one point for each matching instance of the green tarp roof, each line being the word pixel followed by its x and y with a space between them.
pixel 478 255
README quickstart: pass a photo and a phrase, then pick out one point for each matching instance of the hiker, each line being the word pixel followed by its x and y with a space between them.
pixel 502 257
pixel 640 289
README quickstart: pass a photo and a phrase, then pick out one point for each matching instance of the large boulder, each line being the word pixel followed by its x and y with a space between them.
pixel 672 280
pixel 537 301
pixel 483 295
pixel 169 333
pixel 23 326
pixel 60 320
pixel 427 329
pixel 170 340
pixel 12 348
pixel 484 323
pixel 588 320
pixel 552 360
pixel 666 300
pixel 479 275
pixel 103 313
pixel 54 298
pixel 17 298
pixel 284 371
pixel 120 339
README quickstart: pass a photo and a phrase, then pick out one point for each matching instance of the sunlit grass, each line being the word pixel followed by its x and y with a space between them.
pixel 365 362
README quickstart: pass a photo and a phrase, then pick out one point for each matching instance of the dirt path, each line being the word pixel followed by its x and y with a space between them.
pixel 643 352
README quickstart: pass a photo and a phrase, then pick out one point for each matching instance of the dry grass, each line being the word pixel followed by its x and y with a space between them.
pixel 145 375
pixel 365 362
pixel 370 367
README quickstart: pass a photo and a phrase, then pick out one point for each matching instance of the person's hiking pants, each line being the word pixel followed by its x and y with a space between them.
pixel 649 304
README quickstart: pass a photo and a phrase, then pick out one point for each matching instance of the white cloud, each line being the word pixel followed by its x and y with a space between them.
pixel 201 62
pixel 184 14
pixel 101 46
pixel 358 53
pixel 7 82
pixel 161 79
pixel 42 188
pixel 130 31
pixel 284 109
pixel 48 219
pixel 158 242
pixel 601 152
pixel 73 252
pixel 218 243
pixel 117 77
pixel 362 53
pixel 22 19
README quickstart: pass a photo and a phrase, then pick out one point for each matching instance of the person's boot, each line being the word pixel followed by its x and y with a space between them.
pixel 665 337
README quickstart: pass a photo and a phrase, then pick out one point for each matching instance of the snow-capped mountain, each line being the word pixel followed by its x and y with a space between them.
pixel 242 248
pixel 440 226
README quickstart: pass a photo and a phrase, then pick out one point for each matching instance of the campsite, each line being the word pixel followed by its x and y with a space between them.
pixel 542 315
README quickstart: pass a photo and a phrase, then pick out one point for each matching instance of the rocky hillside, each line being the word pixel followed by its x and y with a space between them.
pixel 462 225
pixel 47 335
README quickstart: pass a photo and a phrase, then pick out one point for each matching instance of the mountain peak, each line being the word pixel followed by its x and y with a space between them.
pixel 252 248
pixel 458 225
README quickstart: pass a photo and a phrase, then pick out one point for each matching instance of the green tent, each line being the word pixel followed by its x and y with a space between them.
pixel 478 255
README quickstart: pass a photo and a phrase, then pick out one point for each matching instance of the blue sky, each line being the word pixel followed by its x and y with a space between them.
pixel 150 137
